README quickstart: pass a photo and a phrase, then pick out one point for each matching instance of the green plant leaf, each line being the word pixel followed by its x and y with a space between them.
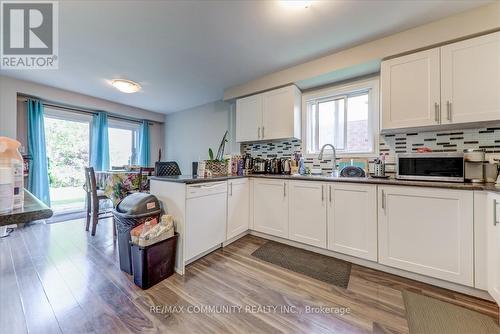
pixel 210 154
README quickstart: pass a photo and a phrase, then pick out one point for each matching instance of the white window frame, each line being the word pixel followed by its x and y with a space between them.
pixel 126 125
pixel 332 92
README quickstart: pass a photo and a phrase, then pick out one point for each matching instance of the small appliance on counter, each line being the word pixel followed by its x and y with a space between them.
pixel 259 166
pixel 436 166
pixel 474 161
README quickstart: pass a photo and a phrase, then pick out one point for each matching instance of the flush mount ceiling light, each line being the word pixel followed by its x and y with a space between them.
pixel 126 86
pixel 296 3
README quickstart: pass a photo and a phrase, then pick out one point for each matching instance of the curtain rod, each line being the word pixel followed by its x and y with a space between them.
pixel 66 107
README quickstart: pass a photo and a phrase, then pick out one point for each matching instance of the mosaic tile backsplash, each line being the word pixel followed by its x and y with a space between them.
pixel 440 141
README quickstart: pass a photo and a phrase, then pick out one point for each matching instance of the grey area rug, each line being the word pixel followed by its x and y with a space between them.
pixel 318 266
pixel 427 315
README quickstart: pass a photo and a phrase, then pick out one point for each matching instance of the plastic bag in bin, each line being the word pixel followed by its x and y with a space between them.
pixel 151 232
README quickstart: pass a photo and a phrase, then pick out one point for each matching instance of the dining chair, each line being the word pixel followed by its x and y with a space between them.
pixel 148 171
pixel 167 168
pixel 95 197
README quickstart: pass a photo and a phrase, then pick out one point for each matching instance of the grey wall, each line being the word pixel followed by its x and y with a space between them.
pixel 189 133
pixel 11 125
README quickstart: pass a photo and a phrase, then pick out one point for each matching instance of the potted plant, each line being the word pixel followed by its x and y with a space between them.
pixel 217 165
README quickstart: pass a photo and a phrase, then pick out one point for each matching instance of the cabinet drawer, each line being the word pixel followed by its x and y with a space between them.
pixel 204 189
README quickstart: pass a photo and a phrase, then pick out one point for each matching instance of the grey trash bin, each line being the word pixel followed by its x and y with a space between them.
pixel 131 211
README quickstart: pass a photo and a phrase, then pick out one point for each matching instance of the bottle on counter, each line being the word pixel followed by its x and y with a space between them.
pixel 10 157
pixel 6 189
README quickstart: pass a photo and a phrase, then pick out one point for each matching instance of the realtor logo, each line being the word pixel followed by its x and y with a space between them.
pixel 29 35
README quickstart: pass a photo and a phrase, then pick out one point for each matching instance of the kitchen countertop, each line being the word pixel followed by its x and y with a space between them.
pixel 33 209
pixel 188 179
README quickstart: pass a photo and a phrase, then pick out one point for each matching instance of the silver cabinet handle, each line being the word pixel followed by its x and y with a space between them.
pixel 258 132
pixel 231 188
pixel 322 193
pixel 330 192
pixel 262 132
pixel 383 199
pixel 448 110
pixel 437 114
pixel 495 204
pixel 284 189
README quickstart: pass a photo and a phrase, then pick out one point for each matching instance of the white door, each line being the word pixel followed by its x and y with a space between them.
pixel 427 231
pixel 470 80
pixel 352 220
pixel 308 212
pixel 494 247
pixel 410 90
pixel 271 207
pixel 280 113
pixel 238 213
pixel 249 118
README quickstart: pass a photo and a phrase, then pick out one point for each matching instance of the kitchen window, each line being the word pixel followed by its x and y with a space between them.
pixel 123 142
pixel 345 116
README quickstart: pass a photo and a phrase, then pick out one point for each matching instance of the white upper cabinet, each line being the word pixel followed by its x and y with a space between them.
pixel 470 80
pixel 427 231
pixel 270 115
pixel 352 220
pixel 410 90
pixel 453 84
pixel 270 201
pixel 249 118
pixel 308 212
pixel 281 113
pixel 238 207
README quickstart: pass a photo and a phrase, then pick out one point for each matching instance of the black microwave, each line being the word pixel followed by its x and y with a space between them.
pixel 436 166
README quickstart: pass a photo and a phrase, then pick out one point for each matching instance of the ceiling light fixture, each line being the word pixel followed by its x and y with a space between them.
pixel 126 86
pixel 296 3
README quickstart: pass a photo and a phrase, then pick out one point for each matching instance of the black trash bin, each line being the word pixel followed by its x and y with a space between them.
pixel 154 263
pixel 131 211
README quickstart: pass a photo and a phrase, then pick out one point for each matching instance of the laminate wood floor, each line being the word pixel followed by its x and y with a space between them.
pixel 58 279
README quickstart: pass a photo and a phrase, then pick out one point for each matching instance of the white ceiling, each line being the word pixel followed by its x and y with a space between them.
pixel 185 53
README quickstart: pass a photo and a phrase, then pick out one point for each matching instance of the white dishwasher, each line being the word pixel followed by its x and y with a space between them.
pixel 205 218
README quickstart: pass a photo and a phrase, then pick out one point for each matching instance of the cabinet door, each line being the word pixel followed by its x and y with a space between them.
pixel 493 257
pixel 352 220
pixel 281 113
pixel 249 118
pixel 238 212
pixel 410 90
pixel 308 212
pixel 271 207
pixel 427 231
pixel 470 80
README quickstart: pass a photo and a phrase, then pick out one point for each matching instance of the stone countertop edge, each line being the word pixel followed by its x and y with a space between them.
pixel 33 209
pixel 188 179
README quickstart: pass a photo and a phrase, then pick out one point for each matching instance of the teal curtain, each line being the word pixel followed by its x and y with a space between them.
pixel 144 144
pixel 38 178
pixel 99 148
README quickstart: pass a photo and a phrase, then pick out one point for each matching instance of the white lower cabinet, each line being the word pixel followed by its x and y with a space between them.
pixel 493 258
pixel 270 201
pixel 238 207
pixel 352 220
pixel 427 231
pixel 308 213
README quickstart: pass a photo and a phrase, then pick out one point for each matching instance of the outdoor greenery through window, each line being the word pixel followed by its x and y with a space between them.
pixel 342 118
pixel 67 154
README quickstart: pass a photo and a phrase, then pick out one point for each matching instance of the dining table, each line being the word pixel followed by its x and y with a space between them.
pixel 117 184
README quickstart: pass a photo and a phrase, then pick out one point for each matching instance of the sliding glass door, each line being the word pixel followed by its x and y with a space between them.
pixel 68 142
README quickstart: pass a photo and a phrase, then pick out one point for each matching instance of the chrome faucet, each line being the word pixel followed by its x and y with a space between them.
pixel 335 171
